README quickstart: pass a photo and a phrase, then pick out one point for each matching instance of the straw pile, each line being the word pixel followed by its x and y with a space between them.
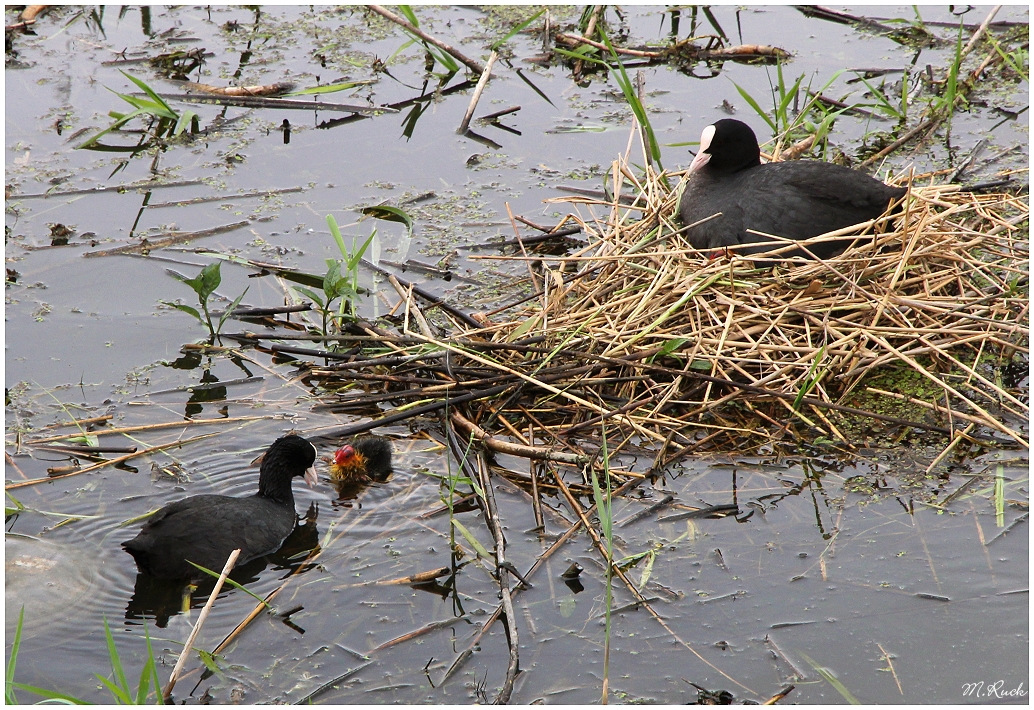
pixel 664 343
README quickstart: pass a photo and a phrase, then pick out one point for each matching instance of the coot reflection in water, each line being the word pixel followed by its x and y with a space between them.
pixel 161 598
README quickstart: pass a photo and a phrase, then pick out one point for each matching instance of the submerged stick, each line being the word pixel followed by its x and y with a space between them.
pixel 230 562
pixel 144 427
pixel 110 462
pixel 168 239
pixel 512 640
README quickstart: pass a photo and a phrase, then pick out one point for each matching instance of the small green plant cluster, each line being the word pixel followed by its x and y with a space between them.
pixel 204 285
pixel 337 284
pixel 121 692
pixel 164 122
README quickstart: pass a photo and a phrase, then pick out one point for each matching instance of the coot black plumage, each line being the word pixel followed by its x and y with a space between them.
pixel 797 199
pixel 366 458
pixel 205 529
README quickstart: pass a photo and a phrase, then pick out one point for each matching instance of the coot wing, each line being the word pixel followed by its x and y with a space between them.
pixel 205 529
pixel 839 187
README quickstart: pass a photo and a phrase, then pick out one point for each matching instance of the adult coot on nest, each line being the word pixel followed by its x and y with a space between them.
pixel 364 459
pixel 205 529
pixel 797 199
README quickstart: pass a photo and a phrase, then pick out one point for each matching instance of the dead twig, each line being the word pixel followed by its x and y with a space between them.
pixel 482 82
pixel 189 645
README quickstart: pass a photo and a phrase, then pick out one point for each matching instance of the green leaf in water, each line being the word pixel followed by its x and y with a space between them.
pixel 831 679
pixel 478 547
pixel 390 214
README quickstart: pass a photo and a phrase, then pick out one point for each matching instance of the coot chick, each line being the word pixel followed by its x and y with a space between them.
pixel 797 199
pixel 205 529
pixel 364 459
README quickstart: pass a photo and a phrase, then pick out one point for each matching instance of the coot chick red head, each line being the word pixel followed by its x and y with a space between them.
pixel 205 529
pixel 367 458
pixel 727 146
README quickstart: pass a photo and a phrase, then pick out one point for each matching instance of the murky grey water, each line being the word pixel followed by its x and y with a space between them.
pixel 825 570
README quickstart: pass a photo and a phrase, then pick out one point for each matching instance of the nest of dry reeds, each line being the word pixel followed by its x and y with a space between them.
pixel 662 342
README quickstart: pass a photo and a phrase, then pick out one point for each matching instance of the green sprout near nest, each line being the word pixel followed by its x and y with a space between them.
pixel 204 285
pixel 338 285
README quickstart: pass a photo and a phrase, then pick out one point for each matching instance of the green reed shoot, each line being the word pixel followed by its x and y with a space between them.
pixel 814 375
pixel 828 676
pixel 605 514
pixel 204 285
pixel 628 89
pixel 443 58
pixel 505 38
pixel 1016 59
pixel 164 122
pixel 120 690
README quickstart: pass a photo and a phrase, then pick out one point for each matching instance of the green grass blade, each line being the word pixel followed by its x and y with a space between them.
pixel 335 232
pixel 230 582
pixel 811 380
pixel 183 122
pixel 229 311
pixel 754 105
pixel 882 100
pixel 113 127
pixel 141 104
pixel 478 547
pixel 333 88
pixel 633 100
pixel 651 556
pixel 13 660
pixel 953 78
pixel 121 696
pixel 150 92
pixel 150 668
pixel 116 662
pixel 1000 496
pixel 48 694
pixel 1007 58
pixel 832 680
pixel 787 97
pixel 353 260
pixel 499 43
pixel 407 11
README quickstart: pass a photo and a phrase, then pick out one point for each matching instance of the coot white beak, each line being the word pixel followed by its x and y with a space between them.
pixel 310 472
pixel 702 156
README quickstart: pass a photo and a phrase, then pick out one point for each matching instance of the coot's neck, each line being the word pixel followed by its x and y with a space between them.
pixel 276 488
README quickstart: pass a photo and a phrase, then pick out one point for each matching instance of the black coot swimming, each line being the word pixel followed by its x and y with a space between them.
pixel 364 459
pixel 205 529
pixel 798 199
